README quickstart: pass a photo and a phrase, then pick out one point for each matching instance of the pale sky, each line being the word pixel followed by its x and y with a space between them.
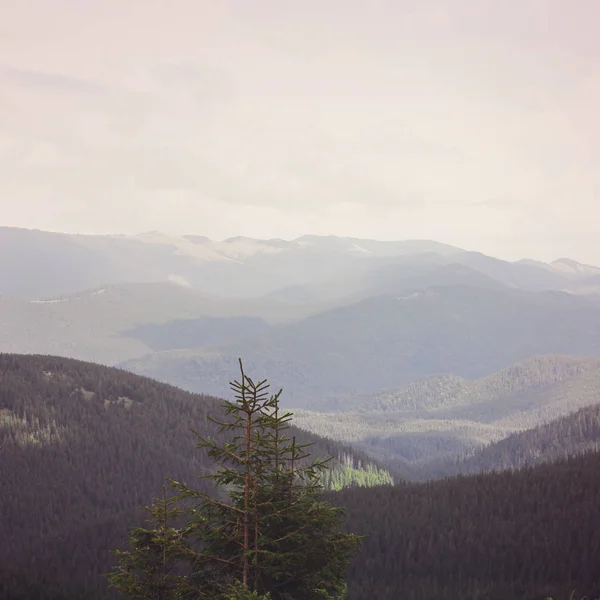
pixel 473 122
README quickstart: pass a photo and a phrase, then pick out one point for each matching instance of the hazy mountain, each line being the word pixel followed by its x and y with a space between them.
pixel 82 447
pixel 523 275
pixel 389 275
pixel 194 333
pixel 44 265
pixel 113 323
pixel 405 274
pixel 491 396
pixel 567 265
pixel 389 341
pixel 443 416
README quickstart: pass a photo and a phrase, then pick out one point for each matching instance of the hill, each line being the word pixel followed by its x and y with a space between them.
pixel 577 433
pixel 411 273
pixel 114 323
pixel 81 448
pixel 430 423
pixel 389 341
pixel 529 534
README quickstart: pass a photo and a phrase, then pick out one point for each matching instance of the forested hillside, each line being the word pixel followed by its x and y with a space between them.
pixel 82 447
pixel 523 535
pixel 429 424
pixel 574 434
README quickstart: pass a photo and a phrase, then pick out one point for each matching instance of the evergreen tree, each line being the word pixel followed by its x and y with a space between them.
pixel 266 531
pixel 147 571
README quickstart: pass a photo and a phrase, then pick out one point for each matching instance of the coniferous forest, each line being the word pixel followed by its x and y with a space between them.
pixel 83 447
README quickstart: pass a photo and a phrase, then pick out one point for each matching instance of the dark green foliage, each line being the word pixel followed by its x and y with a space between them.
pixel 523 535
pixel 82 447
pixel 147 570
pixel 574 434
pixel 526 535
pixel 271 531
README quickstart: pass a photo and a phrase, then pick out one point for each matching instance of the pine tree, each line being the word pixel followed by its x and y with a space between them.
pixel 267 530
pixel 147 571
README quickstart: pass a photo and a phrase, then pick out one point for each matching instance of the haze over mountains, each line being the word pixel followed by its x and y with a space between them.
pixel 331 320
pixel 46 265
pixel 404 360
pixel 427 424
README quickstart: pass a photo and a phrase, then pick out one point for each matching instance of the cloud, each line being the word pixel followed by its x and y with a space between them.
pixel 205 84
pixel 44 81
pixel 385 119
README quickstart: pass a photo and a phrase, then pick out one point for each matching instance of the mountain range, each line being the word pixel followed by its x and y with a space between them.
pixel 391 340
pixel 414 351
pixel 431 424
pixel 83 446
pixel 45 265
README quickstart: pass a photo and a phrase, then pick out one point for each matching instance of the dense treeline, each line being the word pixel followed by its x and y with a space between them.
pixel 515 535
pixel 81 448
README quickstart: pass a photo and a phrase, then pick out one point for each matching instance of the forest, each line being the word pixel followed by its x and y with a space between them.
pixel 84 446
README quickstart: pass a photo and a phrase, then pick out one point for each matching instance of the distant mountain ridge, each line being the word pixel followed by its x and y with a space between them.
pixel 449 392
pixel 391 340
pixel 113 323
pixel 334 320
pixel 58 264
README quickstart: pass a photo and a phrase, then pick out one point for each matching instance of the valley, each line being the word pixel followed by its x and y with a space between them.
pixel 299 300
pixel 409 363
pixel 413 351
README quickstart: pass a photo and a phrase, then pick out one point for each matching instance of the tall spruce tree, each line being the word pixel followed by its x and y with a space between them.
pixel 266 532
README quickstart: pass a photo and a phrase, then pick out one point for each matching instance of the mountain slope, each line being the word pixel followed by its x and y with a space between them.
pixel 407 274
pixel 117 322
pixel 82 447
pixel 429 423
pixel 518 387
pixel 577 433
pixel 60 264
pixel 525 535
pixel 389 341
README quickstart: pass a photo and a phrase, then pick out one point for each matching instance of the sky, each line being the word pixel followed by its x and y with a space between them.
pixel 471 122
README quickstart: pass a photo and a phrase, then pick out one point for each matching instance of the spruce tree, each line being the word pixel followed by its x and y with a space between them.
pixel 266 532
pixel 148 570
